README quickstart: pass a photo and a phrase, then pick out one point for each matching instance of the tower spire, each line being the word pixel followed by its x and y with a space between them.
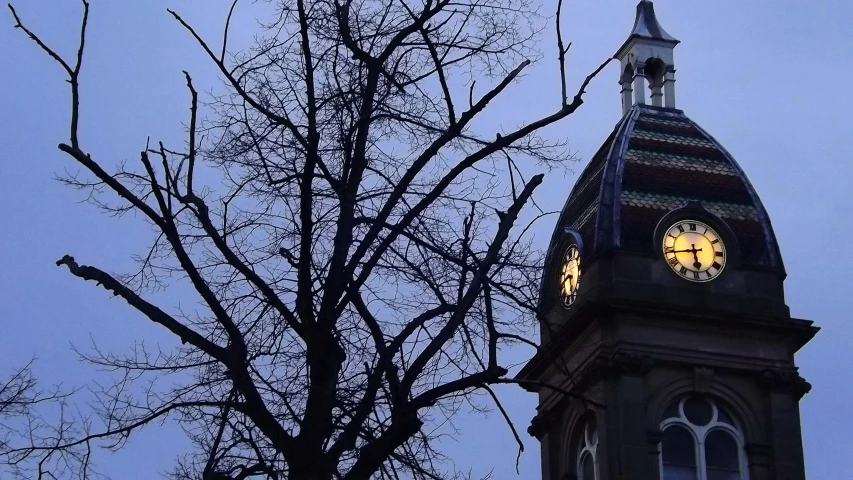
pixel 646 24
pixel 647 56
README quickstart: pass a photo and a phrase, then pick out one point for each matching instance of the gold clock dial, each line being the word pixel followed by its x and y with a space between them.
pixel 570 273
pixel 694 251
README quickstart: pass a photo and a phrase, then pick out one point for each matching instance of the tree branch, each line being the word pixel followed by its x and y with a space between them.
pixel 186 334
pixel 475 286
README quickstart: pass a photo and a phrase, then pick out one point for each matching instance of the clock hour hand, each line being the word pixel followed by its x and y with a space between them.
pixel 570 280
pixel 696 262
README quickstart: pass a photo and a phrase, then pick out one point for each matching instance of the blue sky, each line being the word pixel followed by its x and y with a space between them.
pixel 768 78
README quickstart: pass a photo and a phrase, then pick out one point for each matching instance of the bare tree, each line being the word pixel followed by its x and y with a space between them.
pixel 350 234
pixel 20 398
pixel 18 394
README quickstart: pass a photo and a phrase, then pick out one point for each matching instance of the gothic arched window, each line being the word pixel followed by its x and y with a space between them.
pixel 700 442
pixel 587 456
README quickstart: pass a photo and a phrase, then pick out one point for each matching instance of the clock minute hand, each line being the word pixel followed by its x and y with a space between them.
pixel 691 250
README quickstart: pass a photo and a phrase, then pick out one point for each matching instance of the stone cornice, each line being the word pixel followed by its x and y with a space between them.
pixel 585 311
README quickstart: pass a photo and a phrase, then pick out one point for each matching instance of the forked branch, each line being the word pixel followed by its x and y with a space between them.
pixel 73 73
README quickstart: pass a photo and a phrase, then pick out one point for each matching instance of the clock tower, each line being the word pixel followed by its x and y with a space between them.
pixel 667 347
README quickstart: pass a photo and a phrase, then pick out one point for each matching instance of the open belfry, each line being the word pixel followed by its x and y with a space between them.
pixel 665 332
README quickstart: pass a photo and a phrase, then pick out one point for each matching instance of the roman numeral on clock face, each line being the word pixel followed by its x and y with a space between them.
pixel 703 252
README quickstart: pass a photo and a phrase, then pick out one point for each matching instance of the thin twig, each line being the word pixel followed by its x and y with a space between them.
pixel 561 55
pixel 225 33
pixel 193 113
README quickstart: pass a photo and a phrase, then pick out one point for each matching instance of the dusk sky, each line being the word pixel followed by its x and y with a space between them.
pixel 769 79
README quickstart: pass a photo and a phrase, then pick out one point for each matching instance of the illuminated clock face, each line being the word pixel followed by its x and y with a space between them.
pixel 694 251
pixel 570 274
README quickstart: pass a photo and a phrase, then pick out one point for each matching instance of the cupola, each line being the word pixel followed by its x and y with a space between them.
pixel 647 57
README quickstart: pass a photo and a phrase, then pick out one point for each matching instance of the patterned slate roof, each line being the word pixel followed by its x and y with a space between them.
pixel 655 161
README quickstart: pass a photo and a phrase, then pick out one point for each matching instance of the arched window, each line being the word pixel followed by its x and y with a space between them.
pixel 701 442
pixel 587 455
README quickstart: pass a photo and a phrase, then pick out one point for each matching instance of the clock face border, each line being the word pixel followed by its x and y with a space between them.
pixel 694 226
pixel 569 253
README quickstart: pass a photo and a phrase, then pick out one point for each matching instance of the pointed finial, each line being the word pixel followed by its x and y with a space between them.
pixel 647 25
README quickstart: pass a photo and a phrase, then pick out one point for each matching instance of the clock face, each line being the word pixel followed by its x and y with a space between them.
pixel 570 274
pixel 694 251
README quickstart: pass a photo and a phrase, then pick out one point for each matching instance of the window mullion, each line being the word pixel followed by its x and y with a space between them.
pixel 700 454
pixel 594 451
